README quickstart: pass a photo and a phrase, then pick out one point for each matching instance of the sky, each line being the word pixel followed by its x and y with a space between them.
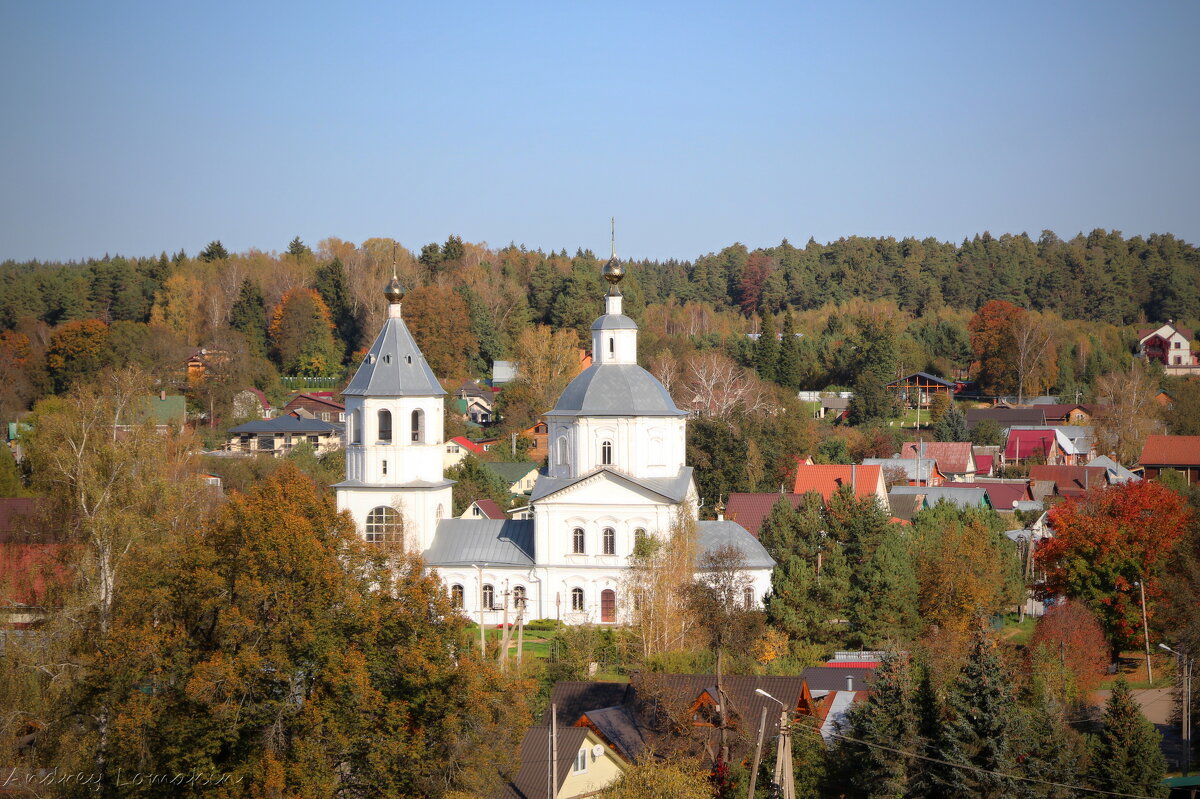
pixel 137 128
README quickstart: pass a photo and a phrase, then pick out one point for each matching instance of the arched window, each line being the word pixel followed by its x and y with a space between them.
pixel 748 598
pixel 610 541
pixel 519 596
pixel 576 599
pixel 577 541
pixel 608 606
pixel 610 345
pixel 418 426
pixel 441 511
pixel 356 427
pixel 489 596
pixel 562 450
pixel 384 526
pixel 639 534
pixel 385 424
pixel 606 453
pixel 456 596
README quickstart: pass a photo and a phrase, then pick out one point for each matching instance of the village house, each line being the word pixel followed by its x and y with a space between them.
pixel 458 448
pixel 908 471
pixel 918 389
pixel 954 459
pixel 826 479
pixel 1065 480
pixel 483 509
pixel 963 496
pixel 1171 452
pixel 1171 346
pixel 519 476
pixel 279 436
pixel 1005 416
pixel 320 404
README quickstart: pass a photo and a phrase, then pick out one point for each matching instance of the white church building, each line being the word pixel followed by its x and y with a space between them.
pixel 616 472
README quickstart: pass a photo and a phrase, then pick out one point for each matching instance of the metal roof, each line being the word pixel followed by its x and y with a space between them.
pixel 511 471
pixel 394 367
pixel 673 488
pixel 615 389
pixel 496 542
pixel 287 424
pixel 711 536
pixel 614 321
pixel 964 496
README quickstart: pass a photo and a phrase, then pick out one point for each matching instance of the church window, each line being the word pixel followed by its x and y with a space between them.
pixel 383 465
pixel 610 345
pixel 441 512
pixel 562 451
pixel 489 596
pixel 456 596
pixel 576 599
pixel 356 427
pixel 384 526
pixel 418 426
pixel 608 606
pixel 606 449
pixel 577 541
pixel 610 541
pixel 519 596
pixel 748 598
pixel 385 424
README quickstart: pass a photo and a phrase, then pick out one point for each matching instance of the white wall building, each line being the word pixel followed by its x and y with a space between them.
pixel 616 472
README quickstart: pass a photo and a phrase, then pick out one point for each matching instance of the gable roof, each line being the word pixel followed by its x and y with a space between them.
pixel 751 510
pixel 533 778
pixel 490 509
pixel 905 506
pixel 323 398
pixel 825 479
pixel 495 542
pixel 288 423
pixel 1004 496
pixel 1005 416
pixel 914 469
pixel 1116 472
pixel 573 698
pixel 1171 451
pixel 1070 480
pixel 1145 332
pixel 953 457
pixel 674 488
pixel 468 444
pixel 394 367
pixel 510 471
pixel 1030 443
pixel 963 495
pixel 923 376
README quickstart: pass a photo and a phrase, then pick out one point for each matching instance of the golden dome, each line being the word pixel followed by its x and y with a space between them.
pixel 394 291
pixel 613 271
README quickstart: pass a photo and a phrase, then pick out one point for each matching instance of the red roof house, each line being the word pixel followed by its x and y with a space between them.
pixel 828 478
pixel 751 510
pixel 954 458
pixel 1070 481
pixel 1025 444
pixel 1172 452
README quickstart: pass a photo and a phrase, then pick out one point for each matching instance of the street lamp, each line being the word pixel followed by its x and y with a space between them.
pixel 1185 716
pixel 783 753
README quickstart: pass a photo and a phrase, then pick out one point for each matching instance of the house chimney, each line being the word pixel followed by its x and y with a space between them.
pixel 849 682
pixel 162 395
pixel 854 479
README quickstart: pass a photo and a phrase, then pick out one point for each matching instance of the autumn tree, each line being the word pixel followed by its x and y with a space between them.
pixel 994 346
pixel 653 778
pixel 74 351
pixel 547 360
pixel 1108 541
pixel 301 334
pixel 657 581
pixel 331 283
pixel 1128 412
pixel 1067 655
pixel 1033 337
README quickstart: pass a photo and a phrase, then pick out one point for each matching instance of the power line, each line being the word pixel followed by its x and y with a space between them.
pixel 977 768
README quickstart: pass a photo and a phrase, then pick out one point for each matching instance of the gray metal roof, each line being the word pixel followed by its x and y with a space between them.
pixel 673 488
pixel 964 497
pixel 286 424
pixel 394 367
pixel 1117 472
pixel 714 535
pixel 496 542
pixel 615 389
pixel 510 471
pixel 614 321
pixel 913 468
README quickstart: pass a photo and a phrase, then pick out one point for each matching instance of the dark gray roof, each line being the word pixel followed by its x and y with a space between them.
pixel 614 321
pixel 620 728
pixel 532 778
pixel 714 535
pixel 833 678
pixel 286 424
pixel 496 542
pixel 673 488
pixel 394 367
pixel 615 389
pixel 964 496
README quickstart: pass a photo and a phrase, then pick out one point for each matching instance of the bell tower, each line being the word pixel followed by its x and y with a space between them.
pixel 394 480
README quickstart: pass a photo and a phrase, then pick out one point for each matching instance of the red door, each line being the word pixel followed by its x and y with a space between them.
pixel 608 606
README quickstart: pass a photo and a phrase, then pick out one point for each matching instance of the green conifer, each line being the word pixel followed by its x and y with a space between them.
pixel 1127 755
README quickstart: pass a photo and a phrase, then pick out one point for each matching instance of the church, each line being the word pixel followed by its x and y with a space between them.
pixel 616 472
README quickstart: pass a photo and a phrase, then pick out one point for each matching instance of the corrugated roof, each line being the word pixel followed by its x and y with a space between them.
pixel 825 479
pixel 496 542
pixel 620 729
pixel 1116 472
pixel 963 497
pixel 615 389
pixel 711 536
pixel 953 457
pixel 751 510
pixel 1030 443
pixel 511 471
pixel 394 367
pixel 533 777
pixel 573 698
pixel 1005 417
pixel 925 376
pixel 1004 495
pixel 1171 451
pixel 1070 480
pixel 913 468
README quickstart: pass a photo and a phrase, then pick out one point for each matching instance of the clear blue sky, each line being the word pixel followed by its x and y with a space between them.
pixel 140 127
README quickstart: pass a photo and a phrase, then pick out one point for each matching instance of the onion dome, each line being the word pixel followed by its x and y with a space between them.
pixel 394 292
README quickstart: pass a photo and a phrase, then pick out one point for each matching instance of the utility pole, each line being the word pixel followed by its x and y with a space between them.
pixel 1146 632
pixel 783 778
pixel 762 723
pixel 520 634
pixel 506 636
pixel 1185 662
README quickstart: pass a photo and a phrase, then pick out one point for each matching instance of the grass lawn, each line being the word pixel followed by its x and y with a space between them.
pixel 1017 633
pixel 1132 666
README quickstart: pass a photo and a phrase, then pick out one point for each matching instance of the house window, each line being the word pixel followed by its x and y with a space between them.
pixel 341 416
pixel 314 440
pixel 456 596
pixel 418 426
pixel 325 416
pixel 475 509
pixel 519 596
pixel 489 596
pixel 576 599
pixel 266 442
pixel 356 427
pixel 384 526
pixel 1178 345
pixel 581 761
pixel 748 599
pixel 385 424
pixel 606 453
pixel 610 541
pixel 577 541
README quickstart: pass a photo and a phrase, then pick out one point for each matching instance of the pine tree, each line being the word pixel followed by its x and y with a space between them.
pixel 1127 756
pixel 248 316
pixel 885 604
pixel 952 426
pixel 298 248
pixel 330 283
pixel 766 350
pixel 790 371
pixel 215 251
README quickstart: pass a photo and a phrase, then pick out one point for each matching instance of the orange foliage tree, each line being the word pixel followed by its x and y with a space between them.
pixel 1068 653
pixel 440 323
pixel 1105 543
pixel 994 345
pixel 74 351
